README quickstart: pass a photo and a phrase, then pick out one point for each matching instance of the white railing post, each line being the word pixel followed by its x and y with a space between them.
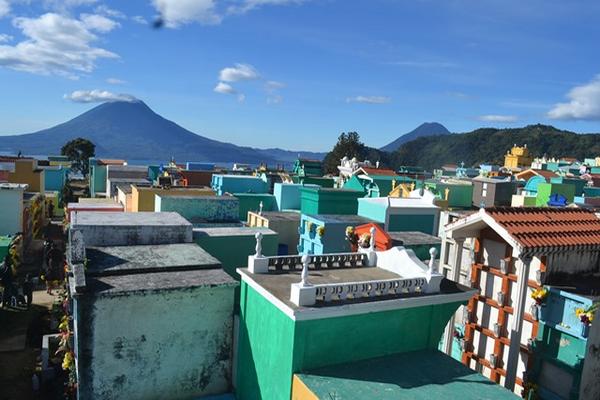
pixel 304 276
pixel 303 293
pixel 257 263
pixel 371 254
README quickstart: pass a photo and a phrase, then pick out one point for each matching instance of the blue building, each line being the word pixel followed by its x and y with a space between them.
pixel 326 233
pixel 222 184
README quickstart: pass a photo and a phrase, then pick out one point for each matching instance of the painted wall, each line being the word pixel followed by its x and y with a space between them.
pixel 147 345
pixel 251 202
pixel 286 229
pixel 201 208
pixel 287 195
pixel 545 190
pixel 55 178
pixel 11 211
pixel 26 171
pixel 426 223
pixel 142 198
pixel 232 246
pixel 274 347
pixel 97 177
pixel 328 201
pixel 238 184
pixel 372 210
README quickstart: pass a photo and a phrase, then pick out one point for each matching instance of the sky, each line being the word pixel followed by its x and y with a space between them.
pixel 296 73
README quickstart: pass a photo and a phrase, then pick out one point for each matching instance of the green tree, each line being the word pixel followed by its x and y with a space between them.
pixel 79 151
pixel 67 195
pixel 348 145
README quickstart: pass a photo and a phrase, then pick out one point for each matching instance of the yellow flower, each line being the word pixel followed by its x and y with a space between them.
pixel 321 230
pixel 579 312
pixel 68 361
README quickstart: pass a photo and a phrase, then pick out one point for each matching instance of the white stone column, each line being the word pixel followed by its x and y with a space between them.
pixel 455 276
pixel 514 350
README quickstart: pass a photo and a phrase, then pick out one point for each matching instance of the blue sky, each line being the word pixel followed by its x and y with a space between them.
pixel 295 74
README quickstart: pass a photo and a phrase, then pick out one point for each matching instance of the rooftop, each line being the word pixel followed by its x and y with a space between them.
pixel 13 186
pixel 231 231
pixel 279 284
pixel 340 218
pixel 542 227
pixel 279 215
pixel 137 219
pixel 154 281
pixel 410 238
pixel 534 228
pixel 122 260
pixel 420 375
pixel 400 202
pixel 88 206
pixel 378 171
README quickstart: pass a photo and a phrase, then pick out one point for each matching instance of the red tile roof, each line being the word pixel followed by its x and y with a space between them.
pixel 540 172
pixel 378 171
pixel 549 227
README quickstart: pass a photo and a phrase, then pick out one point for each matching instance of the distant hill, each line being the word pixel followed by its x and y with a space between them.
pixel 131 130
pixel 423 130
pixel 490 145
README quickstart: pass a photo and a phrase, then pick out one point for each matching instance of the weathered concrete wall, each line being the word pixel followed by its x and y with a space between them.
pixel 157 345
pixel 200 208
pixel 120 229
pixel 11 211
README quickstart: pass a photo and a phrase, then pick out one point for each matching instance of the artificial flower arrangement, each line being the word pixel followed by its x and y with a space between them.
pixel 68 361
pixel 310 226
pixel 586 315
pixel 365 240
pixel 321 230
pixel 539 295
pixel 352 237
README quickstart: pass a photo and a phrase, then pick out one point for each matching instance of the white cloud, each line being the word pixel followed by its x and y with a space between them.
pixel 275 99
pixel 139 19
pixel 498 118
pixel 4 8
pixel 241 72
pixel 224 88
pixel 98 23
pixel 271 86
pixel 175 13
pixel 98 96
pixel 65 5
pixel 584 103
pixel 178 12
pixel 369 99
pixel 55 44
pixel 115 81
pixel 5 38
pixel 109 12
pixel 248 5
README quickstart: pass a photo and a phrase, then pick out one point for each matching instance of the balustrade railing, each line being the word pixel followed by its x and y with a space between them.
pixel 337 260
pixel 332 292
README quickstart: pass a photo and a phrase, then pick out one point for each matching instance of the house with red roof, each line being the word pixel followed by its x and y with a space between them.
pixel 516 251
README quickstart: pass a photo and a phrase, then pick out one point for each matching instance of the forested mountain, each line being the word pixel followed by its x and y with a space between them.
pixel 425 129
pixel 491 144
